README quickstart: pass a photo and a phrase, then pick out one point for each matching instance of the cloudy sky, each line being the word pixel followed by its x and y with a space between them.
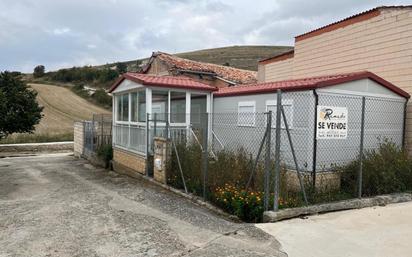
pixel 65 33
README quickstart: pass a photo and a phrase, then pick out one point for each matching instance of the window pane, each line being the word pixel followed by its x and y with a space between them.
pixel 142 106
pixel 159 104
pixel 246 116
pixel 178 107
pixel 119 107
pixel 197 108
pixel 125 107
pixel 133 107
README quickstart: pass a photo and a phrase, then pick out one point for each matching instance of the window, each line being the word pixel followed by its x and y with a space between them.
pixel 288 109
pixel 177 107
pixel 122 107
pixel 160 104
pixel 125 107
pixel 195 113
pixel 118 107
pixel 138 106
pixel 133 106
pixel 141 109
pixel 246 114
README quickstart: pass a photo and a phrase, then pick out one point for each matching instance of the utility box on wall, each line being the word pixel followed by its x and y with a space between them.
pixel 160 158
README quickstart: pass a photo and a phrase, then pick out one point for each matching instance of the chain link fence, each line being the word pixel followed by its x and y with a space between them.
pixel 98 132
pixel 276 159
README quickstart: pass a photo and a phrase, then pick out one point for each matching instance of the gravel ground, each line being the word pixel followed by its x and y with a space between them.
pixel 56 205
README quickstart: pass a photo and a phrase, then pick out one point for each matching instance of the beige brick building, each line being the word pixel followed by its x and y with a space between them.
pixel 378 40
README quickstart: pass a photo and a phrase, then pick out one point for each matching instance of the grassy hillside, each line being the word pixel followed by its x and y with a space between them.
pixel 62 108
pixel 242 57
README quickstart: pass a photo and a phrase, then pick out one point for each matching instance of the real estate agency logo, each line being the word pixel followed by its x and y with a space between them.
pixel 330 114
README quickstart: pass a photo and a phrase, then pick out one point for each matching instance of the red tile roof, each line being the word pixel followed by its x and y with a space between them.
pixel 306 84
pixel 348 21
pixel 163 81
pixel 225 72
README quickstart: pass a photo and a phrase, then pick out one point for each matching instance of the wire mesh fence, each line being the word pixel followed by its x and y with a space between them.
pixel 309 149
pixel 98 132
pixel 233 157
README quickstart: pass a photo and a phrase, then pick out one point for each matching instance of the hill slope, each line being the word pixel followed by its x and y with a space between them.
pixel 242 57
pixel 62 107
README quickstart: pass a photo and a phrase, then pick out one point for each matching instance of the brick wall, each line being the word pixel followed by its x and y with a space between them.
pixel 78 145
pixel 381 44
pixel 128 162
pixel 279 70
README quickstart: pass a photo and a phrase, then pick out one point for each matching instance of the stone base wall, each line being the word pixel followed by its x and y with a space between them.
pixel 78 146
pixel 161 156
pixel 327 181
pixel 128 163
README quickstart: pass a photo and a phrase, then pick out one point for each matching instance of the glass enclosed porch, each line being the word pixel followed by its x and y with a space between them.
pixel 140 113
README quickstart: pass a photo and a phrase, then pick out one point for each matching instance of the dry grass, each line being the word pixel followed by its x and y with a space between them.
pixel 62 108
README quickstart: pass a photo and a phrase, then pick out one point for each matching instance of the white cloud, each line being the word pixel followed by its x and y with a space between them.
pixel 60 31
pixel 66 33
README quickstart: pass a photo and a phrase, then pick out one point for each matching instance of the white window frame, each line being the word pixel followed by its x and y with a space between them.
pixel 246 104
pixel 116 106
pixel 286 102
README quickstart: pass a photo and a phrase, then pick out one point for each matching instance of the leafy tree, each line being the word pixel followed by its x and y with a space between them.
pixel 121 67
pixel 102 97
pixel 108 75
pixel 39 71
pixel 19 110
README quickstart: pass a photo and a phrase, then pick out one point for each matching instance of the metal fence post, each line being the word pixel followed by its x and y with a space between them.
pixel 147 143
pixel 102 131
pixel 205 157
pixel 155 125
pixel 92 136
pixel 277 151
pixel 362 132
pixel 267 160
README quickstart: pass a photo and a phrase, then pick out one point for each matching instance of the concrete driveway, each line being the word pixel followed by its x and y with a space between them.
pixel 55 205
pixel 378 232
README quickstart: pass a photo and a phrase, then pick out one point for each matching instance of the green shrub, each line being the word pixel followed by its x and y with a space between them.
pixel 106 153
pixel 190 160
pixel 385 170
pixel 227 177
pixel 102 98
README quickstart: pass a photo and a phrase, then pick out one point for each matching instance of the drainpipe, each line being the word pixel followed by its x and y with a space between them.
pixel 315 141
pixel 404 125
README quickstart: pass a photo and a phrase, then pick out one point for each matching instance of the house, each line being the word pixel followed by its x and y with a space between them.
pixel 212 74
pixel 146 105
pixel 378 40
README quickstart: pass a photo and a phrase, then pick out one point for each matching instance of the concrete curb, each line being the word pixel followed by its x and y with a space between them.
pixel 37 147
pixel 381 200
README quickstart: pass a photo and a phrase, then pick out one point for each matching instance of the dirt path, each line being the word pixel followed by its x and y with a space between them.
pixel 55 205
